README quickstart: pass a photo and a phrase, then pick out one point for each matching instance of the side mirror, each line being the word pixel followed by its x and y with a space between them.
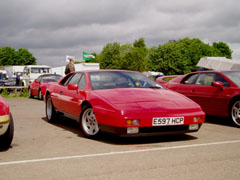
pixel 72 86
pixel 218 84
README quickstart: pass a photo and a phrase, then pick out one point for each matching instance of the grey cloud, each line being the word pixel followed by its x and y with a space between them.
pixel 53 29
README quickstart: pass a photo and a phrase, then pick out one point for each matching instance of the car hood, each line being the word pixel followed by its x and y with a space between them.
pixel 147 98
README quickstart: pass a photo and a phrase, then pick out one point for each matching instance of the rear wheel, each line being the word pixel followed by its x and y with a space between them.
pixel 235 112
pixel 40 96
pixel 88 122
pixel 51 113
pixel 30 93
pixel 6 138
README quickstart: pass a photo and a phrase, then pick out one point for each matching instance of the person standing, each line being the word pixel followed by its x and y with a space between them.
pixel 18 79
pixel 70 66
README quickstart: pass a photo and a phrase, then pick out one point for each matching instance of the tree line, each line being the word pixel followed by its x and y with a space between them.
pixel 173 57
pixel 9 56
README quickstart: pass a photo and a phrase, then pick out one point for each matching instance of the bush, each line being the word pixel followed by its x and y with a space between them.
pixel 13 93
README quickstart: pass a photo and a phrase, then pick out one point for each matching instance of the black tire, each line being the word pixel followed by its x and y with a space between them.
pixel 30 93
pixel 235 112
pixel 40 96
pixel 6 138
pixel 51 113
pixel 88 123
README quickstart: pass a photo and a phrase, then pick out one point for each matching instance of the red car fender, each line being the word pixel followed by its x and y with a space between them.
pixel 4 107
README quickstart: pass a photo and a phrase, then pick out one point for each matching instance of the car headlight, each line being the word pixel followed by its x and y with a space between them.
pixel 4 119
pixel 198 119
pixel 133 122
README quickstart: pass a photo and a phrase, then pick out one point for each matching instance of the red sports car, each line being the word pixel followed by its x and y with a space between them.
pixel 125 103
pixel 6 125
pixel 217 92
pixel 38 87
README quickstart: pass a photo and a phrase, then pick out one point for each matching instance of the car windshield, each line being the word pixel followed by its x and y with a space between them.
pixel 120 79
pixel 40 70
pixel 234 76
pixel 54 78
pixel 3 76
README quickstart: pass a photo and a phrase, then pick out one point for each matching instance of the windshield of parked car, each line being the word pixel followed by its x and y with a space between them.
pixel 3 76
pixel 234 76
pixel 40 70
pixel 53 78
pixel 120 79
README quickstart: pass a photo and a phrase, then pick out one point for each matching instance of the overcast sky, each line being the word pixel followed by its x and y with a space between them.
pixel 52 29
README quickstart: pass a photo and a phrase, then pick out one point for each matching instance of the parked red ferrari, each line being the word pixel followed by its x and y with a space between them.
pixel 38 86
pixel 6 125
pixel 217 92
pixel 125 103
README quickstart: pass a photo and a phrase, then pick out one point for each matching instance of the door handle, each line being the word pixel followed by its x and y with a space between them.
pixel 60 92
pixel 193 90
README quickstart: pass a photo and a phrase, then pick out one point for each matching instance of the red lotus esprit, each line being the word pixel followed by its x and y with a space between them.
pixel 38 86
pixel 125 103
pixel 217 92
pixel 6 125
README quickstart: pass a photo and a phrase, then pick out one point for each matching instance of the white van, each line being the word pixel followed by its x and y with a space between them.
pixel 31 72
pixel 13 70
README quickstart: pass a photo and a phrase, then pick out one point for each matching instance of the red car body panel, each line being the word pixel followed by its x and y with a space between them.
pixel 213 100
pixel 113 107
pixel 36 85
pixel 4 107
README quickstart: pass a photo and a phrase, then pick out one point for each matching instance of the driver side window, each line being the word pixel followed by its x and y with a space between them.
pixel 74 79
pixel 190 79
pixel 82 83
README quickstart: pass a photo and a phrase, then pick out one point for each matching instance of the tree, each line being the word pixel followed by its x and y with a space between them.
pixel 174 57
pixel 127 56
pixel 110 56
pixel 182 56
pixel 222 49
pixel 24 57
pixel 8 56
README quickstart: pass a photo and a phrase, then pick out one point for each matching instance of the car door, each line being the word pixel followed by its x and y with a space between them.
pixel 35 86
pixel 212 99
pixel 77 97
pixel 67 97
pixel 57 92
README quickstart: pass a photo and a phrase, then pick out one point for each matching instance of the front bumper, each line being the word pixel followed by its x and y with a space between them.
pixel 4 123
pixel 149 131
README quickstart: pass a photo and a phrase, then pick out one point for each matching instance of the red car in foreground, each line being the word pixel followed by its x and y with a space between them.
pixel 217 92
pixel 124 103
pixel 6 125
pixel 38 86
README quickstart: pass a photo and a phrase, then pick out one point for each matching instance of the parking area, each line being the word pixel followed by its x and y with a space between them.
pixel 41 150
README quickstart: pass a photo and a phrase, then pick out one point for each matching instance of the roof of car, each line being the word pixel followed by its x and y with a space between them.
pixel 49 75
pixel 211 71
pixel 110 70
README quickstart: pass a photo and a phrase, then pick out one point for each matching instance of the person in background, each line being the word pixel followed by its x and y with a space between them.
pixel 18 79
pixel 70 66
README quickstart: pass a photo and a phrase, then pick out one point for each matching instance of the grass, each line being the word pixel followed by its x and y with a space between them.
pixel 14 94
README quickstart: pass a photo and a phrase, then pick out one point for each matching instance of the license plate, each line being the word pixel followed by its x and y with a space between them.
pixel 165 121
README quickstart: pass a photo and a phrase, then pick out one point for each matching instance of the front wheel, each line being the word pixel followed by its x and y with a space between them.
pixel 88 122
pixel 6 138
pixel 235 113
pixel 51 113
